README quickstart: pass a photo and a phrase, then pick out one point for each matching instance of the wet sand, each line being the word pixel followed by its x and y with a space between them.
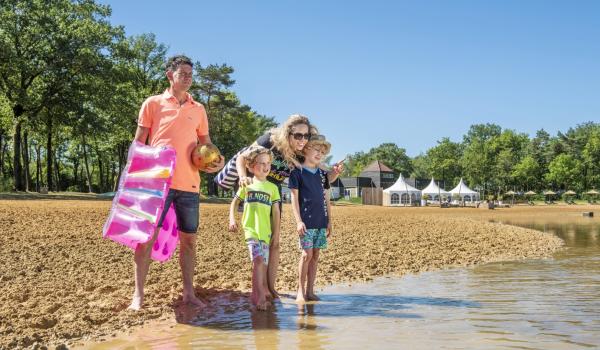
pixel 61 283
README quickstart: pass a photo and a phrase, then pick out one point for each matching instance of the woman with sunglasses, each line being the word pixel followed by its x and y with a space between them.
pixel 286 142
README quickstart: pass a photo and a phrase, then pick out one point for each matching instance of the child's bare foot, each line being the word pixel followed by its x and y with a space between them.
pixel 192 299
pixel 312 297
pixel 136 303
pixel 274 294
pixel 263 305
pixel 300 299
pixel 260 301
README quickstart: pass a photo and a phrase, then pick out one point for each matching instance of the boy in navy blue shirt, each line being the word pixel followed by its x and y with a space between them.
pixel 312 211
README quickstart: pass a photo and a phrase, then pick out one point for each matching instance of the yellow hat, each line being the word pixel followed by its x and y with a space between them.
pixel 319 140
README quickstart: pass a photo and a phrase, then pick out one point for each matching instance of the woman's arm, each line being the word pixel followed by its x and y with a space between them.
pixel 240 166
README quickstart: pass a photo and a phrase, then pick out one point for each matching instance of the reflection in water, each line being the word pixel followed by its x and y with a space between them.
pixel 532 304
pixel 265 326
pixel 307 323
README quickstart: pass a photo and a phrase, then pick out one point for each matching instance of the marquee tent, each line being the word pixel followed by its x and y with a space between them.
pixel 466 194
pixel 401 194
pixel 434 191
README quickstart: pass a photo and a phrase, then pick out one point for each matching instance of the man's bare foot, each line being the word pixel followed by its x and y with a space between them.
pixel 192 299
pixel 312 297
pixel 136 303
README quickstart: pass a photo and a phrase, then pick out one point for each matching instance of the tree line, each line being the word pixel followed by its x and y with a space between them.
pixel 493 159
pixel 71 85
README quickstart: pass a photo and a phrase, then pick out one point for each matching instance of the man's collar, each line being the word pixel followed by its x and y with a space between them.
pixel 167 96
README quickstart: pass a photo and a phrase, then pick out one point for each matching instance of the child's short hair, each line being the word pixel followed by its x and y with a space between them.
pixel 319 140
pixel 254 151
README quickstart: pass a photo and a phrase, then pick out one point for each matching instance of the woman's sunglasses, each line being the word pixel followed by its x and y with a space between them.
pixel 299 136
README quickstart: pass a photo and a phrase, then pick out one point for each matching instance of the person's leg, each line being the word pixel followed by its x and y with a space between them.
pixel 273 265
pixel 302 274
pixel 265 253
pixel 187 210
pixel 187 261
pixel 319 242
pixel 259 272
pixel 273 262
pixel 312 275
pixel 141 259
pixel 265 286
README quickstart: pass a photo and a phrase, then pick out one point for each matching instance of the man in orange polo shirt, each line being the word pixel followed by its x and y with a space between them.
pixel 174 118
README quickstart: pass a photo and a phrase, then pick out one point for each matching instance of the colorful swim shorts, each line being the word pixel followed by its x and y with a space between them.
pixel 314 238
pixel 258 248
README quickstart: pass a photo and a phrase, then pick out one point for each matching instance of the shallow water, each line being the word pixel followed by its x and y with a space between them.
pixel 533 304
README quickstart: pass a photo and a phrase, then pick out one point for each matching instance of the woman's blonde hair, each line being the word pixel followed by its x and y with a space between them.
pixel 281 137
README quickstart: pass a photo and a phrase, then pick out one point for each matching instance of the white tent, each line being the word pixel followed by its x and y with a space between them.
pixel 401 193
pixel 466 194
pixel 434 191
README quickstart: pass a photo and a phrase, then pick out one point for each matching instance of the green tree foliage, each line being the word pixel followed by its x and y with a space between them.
pixel 233 125
pixel 388 153
pixel 444 161
pixel 46 47
pixel 496 160
pixel 478 155
pixel 71 86
pixel 591 159
pixel 526 173
pixel 420 166
pixel 476 163
pixel 564 171
pixel 507 149
pixel 481 132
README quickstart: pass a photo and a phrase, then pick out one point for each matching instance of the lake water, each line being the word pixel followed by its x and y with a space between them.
pixel 532 304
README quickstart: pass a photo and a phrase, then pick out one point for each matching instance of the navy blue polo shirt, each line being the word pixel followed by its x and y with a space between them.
pixel 311 185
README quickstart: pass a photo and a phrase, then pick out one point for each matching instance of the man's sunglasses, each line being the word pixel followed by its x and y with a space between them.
pixel 299 136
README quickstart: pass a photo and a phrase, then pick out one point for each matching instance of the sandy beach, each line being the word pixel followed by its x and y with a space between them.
pixel 62 283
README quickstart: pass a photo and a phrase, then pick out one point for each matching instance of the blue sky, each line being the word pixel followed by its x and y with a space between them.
pixel 394 71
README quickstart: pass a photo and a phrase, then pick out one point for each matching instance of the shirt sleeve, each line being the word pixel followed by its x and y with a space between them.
pixel 145 115
pixel 294 180
pixel 202 129
pixel 265 140
pixel 275 195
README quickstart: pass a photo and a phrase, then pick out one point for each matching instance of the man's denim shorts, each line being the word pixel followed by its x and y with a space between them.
pixel 187 205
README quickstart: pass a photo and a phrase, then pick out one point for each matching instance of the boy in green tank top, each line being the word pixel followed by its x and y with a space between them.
pixel 260 198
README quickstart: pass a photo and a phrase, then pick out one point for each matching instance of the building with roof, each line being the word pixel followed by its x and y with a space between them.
pixel 381 175
pixel 374 175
